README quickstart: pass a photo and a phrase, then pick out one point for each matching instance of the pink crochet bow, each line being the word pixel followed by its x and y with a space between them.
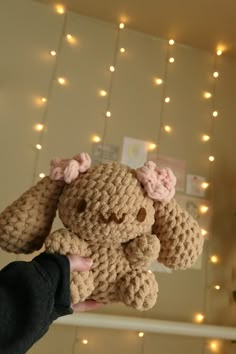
pixel 69 169
pixel 159 183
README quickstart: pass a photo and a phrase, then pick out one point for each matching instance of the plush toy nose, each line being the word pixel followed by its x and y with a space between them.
pixel 112 217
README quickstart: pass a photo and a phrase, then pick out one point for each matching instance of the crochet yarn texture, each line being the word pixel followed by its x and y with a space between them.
pixel 108 217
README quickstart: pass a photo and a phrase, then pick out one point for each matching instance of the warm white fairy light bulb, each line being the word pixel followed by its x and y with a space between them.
pixel 39 127
pixel 204 232
pixel 217 287
pixel 70 39
pixel 121 25
pixel 171 42
pixel 211 158
pixel 219 52
pixel 216 74
pixel 214 346
pixel 108 114
pixel 103 93
pixel 214 259
pixel 42 175
pixel 141 334
pixel 205 137
pixel 122 50
pixel 53 53
pixel 152 146
pixel 204 185
pixel 158 81
pixel 167 99
pixel 96 139
pixel 112 68
pixel 207 95
pixel 61 80
pixel 199 317
pixel 85 341
pixel 171 60
pixel 40 101
pixel 38 146
pixel 203 209
pixel 60 9
pixel 167 129
pixel 215 114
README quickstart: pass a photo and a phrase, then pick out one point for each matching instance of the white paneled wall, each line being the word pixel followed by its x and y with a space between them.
pixel 75 111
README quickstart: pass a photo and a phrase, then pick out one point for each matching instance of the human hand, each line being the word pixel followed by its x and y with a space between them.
pixel 81 264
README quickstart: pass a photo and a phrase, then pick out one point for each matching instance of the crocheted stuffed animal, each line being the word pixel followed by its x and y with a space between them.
pixel 123 219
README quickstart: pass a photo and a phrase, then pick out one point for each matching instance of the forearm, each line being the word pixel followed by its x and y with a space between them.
pixel 32 295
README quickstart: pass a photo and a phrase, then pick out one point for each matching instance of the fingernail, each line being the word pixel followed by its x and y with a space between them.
pixel 88 262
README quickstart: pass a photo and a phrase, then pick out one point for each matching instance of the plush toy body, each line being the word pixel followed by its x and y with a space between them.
pixel 123 219
pixel 116 275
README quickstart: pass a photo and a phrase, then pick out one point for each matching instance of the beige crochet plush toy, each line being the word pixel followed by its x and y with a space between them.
pixel 123 219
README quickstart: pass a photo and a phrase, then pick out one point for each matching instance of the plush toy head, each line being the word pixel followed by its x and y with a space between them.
pixel 107 204
pixel 107 208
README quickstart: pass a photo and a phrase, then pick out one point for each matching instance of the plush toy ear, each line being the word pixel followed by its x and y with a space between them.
pixel 25 224
pixel 179 234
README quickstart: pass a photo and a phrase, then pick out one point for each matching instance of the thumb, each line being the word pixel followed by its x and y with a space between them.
pixel 86 306
pixel 78 263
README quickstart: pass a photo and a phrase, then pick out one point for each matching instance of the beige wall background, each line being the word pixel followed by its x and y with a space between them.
pixel 75 112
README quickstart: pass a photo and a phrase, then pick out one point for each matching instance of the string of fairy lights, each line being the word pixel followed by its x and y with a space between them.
pixel 164 98
pixel 162 127
pixel 112 69
pixel 41 127
pixel 214 346
pixel 207 137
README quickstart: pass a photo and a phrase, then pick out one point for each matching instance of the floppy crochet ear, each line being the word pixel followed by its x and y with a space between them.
pixel 25 224
pixel 179 234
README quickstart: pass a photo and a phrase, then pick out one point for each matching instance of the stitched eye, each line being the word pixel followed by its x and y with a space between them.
pixel 81 205
pixel 141 216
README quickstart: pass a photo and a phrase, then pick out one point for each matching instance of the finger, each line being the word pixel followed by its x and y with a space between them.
pixel 86 306
pixel 79 263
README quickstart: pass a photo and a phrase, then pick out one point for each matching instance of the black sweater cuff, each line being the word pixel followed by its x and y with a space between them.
pixel 56 269
pixel 32 295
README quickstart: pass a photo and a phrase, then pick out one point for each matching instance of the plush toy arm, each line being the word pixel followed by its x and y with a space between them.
pixel 143 250
pixel 63 241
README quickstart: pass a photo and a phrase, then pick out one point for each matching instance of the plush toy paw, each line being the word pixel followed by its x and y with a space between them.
pixel 65 242
pixel 138 290
pixel 81 286
pixel 143 250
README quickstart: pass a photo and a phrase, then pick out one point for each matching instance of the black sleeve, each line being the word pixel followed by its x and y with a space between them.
pixel 32 295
